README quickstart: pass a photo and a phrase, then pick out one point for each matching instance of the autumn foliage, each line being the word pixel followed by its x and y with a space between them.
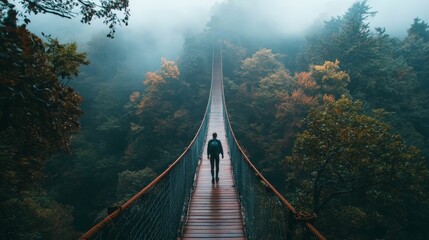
pixel 345 136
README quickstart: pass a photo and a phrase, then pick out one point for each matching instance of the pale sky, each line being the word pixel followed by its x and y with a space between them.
pixel 178 17
pixel 163 24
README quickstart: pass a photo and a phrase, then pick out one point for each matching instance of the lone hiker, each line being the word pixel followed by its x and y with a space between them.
pixel 214 148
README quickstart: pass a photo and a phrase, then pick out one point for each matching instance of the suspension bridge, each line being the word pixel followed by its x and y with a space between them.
pixel 183 203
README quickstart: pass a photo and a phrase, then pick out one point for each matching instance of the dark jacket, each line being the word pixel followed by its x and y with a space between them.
pixel 220 147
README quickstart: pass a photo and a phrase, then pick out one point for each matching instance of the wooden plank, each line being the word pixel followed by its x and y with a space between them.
pixel 229 238
pixel 201 227
pixel 226 211
pixel 202 223
pixel 215 235
pixel 235 232
pixel 214 211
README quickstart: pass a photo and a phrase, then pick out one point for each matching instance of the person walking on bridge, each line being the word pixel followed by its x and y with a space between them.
pixel 214 148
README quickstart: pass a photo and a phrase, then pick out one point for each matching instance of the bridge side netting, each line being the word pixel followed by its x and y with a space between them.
pixel 158 210
pixel 266 213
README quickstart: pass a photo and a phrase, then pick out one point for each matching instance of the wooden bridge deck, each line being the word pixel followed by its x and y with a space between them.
pixel 214 210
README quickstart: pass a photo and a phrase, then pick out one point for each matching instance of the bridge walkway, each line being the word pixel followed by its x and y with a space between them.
pixel 214 210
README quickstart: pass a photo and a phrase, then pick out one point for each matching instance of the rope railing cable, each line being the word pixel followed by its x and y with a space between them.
pixel 158 210
pixel 266 213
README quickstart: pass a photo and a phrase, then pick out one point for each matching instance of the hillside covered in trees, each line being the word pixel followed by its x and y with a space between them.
pixel 336 120
pixel 345 135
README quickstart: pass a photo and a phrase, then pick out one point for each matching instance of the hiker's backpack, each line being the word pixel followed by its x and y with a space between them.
pixel 214 147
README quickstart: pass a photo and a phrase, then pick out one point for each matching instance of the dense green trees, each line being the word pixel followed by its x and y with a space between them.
pixel 348 163
pixel 371 58
pixel 335 137
pixel 155 117
pixel 385 72
pixel 347 38
pixel 52 197
pixel 166 114
pixel 269 103
pixel 38 114
pixel 91 169
pixel 416 50
pixel 131 131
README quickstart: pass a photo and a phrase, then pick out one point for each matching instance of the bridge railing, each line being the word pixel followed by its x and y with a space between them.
pixel 158 211
pixel 266 213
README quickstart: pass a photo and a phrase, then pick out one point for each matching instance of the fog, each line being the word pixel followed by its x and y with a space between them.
pixel 158 28
pixel 282 18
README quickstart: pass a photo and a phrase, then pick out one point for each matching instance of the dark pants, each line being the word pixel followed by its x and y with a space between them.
pixel 214 158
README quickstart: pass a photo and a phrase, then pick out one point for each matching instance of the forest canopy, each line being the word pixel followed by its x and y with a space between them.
pixel 345 135
pixel 38 114
pixel 337 121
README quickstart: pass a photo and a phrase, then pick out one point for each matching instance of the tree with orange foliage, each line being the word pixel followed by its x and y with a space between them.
pixel 270 104
pixel 158 115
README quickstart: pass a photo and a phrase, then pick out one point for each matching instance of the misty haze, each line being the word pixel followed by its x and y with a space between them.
pixel 108 114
